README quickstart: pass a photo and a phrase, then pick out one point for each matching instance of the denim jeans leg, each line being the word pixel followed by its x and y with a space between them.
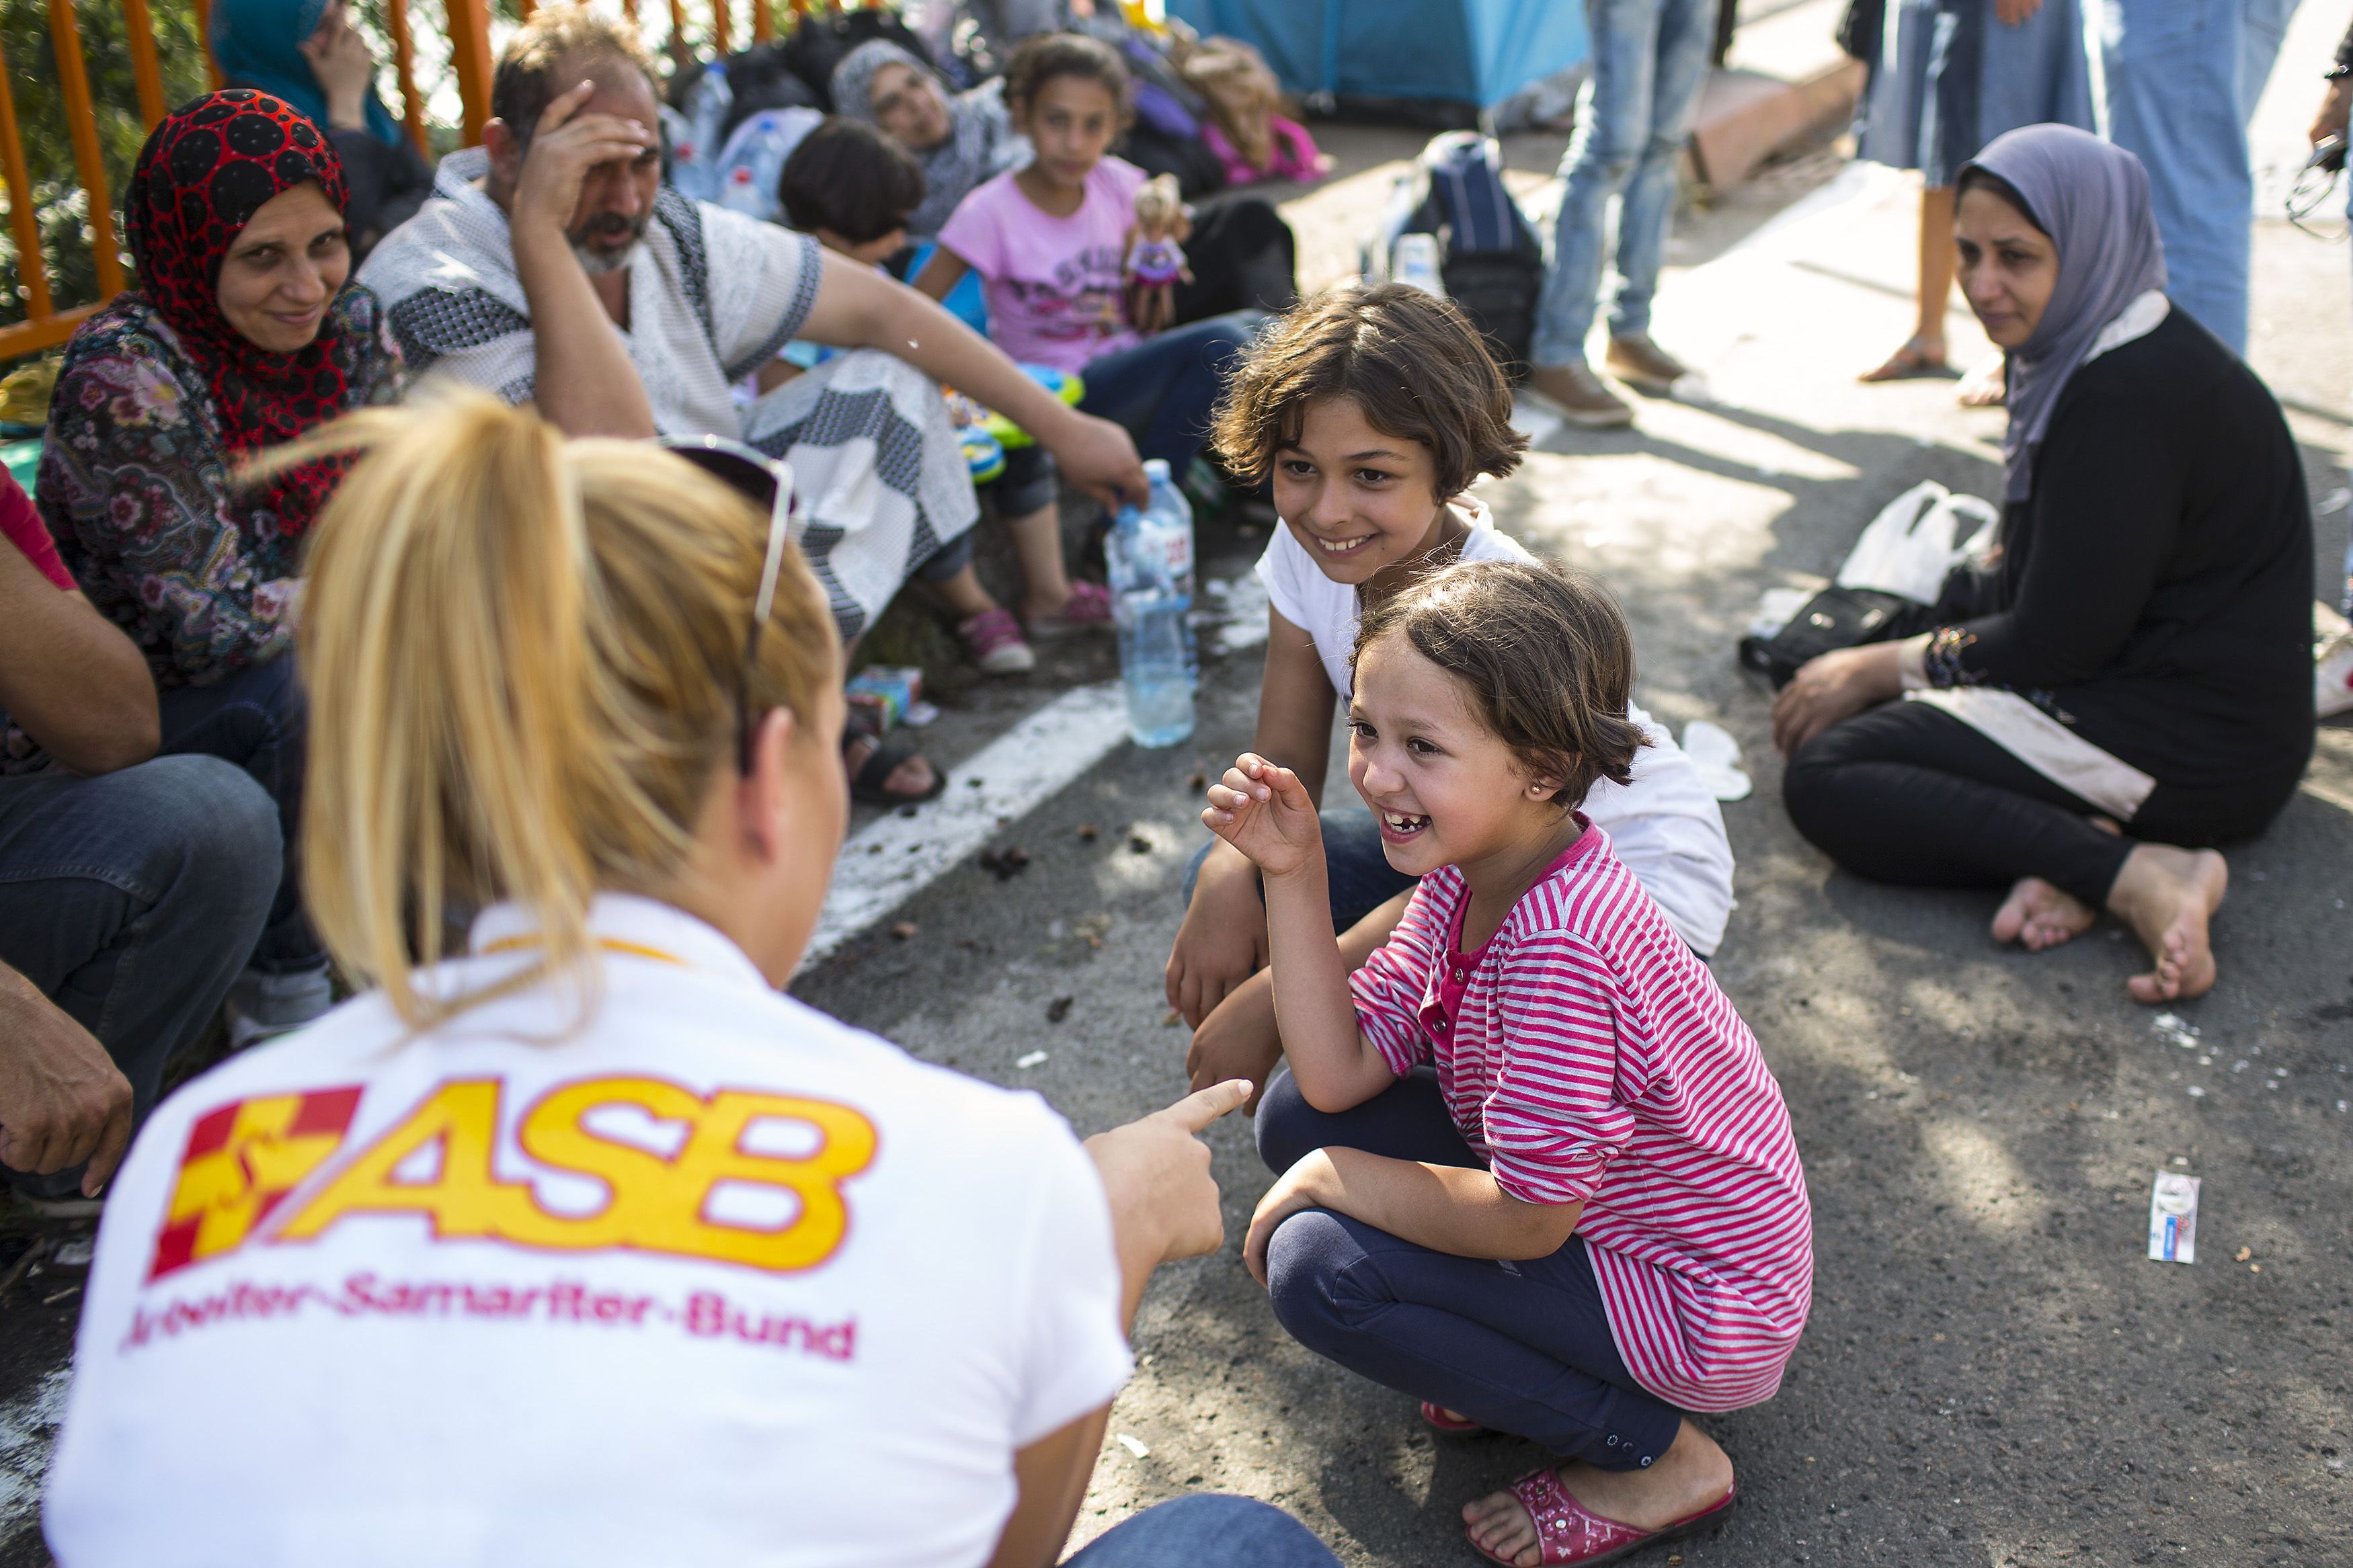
pixel 1685 30
pixel 1523 1347
pixel 259 719
pixel 1361 877
pixel 1163 389
pixel 1613 118
pixel 131 901
pixel 2174 71
pixel 1207 1530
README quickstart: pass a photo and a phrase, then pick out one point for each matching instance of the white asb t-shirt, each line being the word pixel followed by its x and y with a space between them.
pixel 1665 825
pixel 715 1280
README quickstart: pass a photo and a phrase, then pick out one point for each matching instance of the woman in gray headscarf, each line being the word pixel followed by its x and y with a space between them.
pixel 2129 682
pixel 960 142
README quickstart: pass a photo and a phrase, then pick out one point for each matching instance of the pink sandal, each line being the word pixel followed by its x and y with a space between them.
pixel 1569 1533
pixel 1446 1421
pixel 1088 610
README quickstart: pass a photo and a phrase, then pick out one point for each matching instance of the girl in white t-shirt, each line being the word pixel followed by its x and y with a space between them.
pixel 1372 411
pixel 586 1245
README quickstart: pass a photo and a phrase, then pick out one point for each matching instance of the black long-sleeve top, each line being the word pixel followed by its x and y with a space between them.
pixel 2155 586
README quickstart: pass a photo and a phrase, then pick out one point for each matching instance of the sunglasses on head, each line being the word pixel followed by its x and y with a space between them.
pixel 767 483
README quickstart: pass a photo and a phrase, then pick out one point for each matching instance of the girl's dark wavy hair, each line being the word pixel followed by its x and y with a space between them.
pixel 1413 362
pixel 1543 658
pixel 1041 59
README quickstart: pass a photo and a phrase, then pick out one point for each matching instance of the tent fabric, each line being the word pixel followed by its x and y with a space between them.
pixel 1464 51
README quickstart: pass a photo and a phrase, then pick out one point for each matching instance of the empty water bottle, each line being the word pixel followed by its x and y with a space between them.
pixel 1414 261
pixel 1151 557
pixel 694 162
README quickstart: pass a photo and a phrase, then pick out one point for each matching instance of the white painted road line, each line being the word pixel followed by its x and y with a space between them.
pixel 27 1424
pixel 895 856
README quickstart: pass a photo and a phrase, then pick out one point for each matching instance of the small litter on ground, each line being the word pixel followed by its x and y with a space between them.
pixel 1031 1060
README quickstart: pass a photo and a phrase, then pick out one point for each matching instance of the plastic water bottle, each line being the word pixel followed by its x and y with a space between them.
pixel 695 165
pixel 1415 260
pixel 755 156
pixel 1151 556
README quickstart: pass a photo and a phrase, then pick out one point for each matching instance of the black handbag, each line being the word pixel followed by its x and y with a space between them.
pixel 1833 618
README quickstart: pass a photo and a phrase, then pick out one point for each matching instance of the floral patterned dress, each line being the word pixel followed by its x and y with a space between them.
pixel 135 485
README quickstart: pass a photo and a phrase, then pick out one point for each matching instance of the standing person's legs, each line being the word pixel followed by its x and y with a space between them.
pixel 1684 31
pixel 1162 389
pixel 1523 1347
pixel 1206 1531
pixel 2174 71
pixel 1613 122
pixel 258 718
pixel 133 901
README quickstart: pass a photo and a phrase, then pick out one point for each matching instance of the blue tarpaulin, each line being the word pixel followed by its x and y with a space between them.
pixel 1477 52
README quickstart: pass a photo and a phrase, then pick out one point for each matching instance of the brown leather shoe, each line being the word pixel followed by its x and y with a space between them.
pixel 1578 395
pixel 1641 364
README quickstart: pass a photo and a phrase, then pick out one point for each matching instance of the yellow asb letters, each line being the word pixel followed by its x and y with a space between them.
pixel 655 1203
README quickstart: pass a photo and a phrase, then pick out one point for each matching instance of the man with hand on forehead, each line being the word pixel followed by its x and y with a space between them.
pixel 554 266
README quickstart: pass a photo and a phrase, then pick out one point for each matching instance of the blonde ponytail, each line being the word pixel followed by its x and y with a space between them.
pixel 522 657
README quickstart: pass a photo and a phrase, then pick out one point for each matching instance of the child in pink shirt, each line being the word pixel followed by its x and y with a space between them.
pixel 1050 243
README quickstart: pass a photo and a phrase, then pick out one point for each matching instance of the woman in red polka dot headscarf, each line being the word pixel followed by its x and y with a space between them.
pixel 244 332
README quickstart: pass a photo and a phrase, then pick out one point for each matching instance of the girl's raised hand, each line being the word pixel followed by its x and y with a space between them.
pixel 1264 810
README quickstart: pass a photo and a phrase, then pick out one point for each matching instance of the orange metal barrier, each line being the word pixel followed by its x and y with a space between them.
pixel 470 63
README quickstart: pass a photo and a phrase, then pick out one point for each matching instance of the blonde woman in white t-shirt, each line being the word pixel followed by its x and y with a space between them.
pixel 1372 411
pixel 586 1245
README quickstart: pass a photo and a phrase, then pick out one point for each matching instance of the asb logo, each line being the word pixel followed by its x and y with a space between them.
pixel 240 1161
pixel 438 1163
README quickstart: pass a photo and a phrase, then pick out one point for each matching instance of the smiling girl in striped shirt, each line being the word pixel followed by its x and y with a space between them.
pixel 1533 1167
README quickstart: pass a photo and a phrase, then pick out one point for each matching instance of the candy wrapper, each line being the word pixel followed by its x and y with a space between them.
pixel 2173 1218
pixel 887 691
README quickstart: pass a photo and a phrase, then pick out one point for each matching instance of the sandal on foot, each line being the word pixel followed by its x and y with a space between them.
pixel 1909 364
pixel 870 784
pixel 993 638
pixel 1569 1532
pixel 1088 610
pixel 1446 1421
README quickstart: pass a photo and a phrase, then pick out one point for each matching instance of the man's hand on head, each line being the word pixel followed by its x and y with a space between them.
pixel 564 146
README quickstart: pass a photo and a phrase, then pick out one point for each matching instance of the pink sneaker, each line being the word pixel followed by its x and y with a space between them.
pixel 1088 611
pixel 993 638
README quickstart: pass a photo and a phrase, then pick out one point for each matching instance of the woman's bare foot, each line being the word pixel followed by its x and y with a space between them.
pixel 2168 895
pixel 2037 916
pixel 1918 356
pixel 1986 386
pixel 1691 1475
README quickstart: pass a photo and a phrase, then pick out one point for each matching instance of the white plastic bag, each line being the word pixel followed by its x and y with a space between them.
pixel 1911 545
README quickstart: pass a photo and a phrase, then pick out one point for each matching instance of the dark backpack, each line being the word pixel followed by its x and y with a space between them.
pixel 1490 259
pixel 820 39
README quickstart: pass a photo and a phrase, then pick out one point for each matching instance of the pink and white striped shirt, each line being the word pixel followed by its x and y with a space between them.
pixel 1591 1057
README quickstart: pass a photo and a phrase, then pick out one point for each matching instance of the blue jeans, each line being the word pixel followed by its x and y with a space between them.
pixel 131 901
pixel 1362 880
pixel 1206 1531
pixel 2183 78
pixel 1162 389
pixel 1520 1347
pixel 258 718
pixel 1649 59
